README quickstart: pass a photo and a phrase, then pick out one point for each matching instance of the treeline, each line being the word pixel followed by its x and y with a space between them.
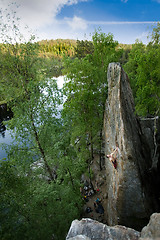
pixel 51 54
pixel 57 48
pixel 72 48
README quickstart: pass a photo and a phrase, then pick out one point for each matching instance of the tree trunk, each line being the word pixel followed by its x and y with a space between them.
pixel 71 177
pixel 91 141
pixel 41 149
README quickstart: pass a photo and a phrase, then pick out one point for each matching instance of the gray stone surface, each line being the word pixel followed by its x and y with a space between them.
pixel 89 229
pixel 130 188
pixel 125 193
pixel 151 130
pixel 152 230
pixel 80 237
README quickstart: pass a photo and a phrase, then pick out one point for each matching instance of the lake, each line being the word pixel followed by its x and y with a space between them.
pixel 6 114
pixel 5 136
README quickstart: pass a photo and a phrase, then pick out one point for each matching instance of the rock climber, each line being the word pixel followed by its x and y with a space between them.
pixel 100 209
pixel 112 158
pixel 98 206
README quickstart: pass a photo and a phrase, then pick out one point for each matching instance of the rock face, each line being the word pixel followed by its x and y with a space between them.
pixel 152 230
pixel 132 189
pixel 88 229
pixel 131 195
pixel 151 132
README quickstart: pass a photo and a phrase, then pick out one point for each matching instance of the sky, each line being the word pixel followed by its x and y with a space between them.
pixel 127 20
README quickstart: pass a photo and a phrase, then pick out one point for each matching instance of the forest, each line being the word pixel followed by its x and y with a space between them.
pixel 53 146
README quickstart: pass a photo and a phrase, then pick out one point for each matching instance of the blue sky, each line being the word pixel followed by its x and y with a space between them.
pixel 128 20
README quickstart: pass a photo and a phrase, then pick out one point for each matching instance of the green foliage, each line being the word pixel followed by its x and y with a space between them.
pixel 40 138
pixel 18 67
pixel 57 48
pixel 40 180
pixel 83 48
pixel 104 48
pixel 143 70
pixel 86 91
pixel 125 50
pixel 155 35
pixel 131 66
pixel 51 67
pixel 33 209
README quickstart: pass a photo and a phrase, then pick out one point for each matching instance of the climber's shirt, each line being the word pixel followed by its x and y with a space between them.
pixel 115 164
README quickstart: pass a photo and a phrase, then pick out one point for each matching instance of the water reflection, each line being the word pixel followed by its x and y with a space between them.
pixel 5 114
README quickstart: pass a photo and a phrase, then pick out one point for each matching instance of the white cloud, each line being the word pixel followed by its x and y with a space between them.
pixel 76 23
pixel 38 13
pixel 157 1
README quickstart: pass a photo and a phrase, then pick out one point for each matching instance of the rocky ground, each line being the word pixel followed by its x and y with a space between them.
pixel 99 184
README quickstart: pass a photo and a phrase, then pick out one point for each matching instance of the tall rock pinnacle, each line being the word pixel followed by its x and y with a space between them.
pixel 130 197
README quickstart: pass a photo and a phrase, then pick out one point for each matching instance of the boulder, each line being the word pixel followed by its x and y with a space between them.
pixel 80 237
pixel 130 190
pixel 152 230
pixel 88 229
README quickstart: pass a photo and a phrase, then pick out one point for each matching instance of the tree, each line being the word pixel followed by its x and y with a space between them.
pixel 155 35
pixel 40 179
pixel 143 70
pixel 33 209
pixel 125 48
pixel 86 91
pixel 130 67
pixel 83 48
